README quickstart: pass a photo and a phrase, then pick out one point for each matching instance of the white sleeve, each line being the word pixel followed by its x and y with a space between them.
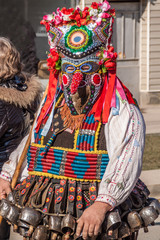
pixel 125 136
pixel 9 167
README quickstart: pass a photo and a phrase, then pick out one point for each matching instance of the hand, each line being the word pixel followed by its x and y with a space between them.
pixel 91 220
pixel 5 188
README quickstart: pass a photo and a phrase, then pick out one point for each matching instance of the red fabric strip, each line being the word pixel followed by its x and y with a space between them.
pixel 53 79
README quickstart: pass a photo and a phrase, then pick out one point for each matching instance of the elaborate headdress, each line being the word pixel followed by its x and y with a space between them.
pixel 80 43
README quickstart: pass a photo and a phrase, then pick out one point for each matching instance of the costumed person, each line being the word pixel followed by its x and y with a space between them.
pixel 85 156
pixel 19 100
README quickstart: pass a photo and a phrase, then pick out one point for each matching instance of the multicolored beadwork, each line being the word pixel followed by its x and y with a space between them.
pixel 78 39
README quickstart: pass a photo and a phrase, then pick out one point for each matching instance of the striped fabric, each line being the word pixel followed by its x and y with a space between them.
pixel 68 163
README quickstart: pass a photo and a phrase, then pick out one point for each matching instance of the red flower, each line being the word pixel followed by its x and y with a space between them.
pixel 111 50
pixel 86 9
pixel 51 63
pixel 77 17
pixel 83 21
pixel 94 5
pixel 54 54
pixel 112 12
pixel 85 12
pixel 80 19
pixel 46 24
pixel 52 59
pixel 110 64
pixel 67 11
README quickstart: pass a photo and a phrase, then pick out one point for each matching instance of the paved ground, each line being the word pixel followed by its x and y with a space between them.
pixel 153 234
pixel 151 115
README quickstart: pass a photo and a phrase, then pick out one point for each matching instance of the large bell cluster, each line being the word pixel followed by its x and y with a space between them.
pixel 119 223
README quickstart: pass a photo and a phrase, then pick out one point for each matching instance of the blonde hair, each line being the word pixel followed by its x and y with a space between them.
pixel 10 63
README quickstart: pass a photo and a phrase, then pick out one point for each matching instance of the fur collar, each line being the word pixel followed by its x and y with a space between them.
pixel 22 98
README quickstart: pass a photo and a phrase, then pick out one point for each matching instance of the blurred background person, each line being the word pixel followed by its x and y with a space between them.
pixel 19 99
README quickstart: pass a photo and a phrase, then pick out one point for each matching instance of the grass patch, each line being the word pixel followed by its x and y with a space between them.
pixel 151 157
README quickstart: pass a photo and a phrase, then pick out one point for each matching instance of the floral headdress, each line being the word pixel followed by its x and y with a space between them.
pixel 78 34
pixel 98 12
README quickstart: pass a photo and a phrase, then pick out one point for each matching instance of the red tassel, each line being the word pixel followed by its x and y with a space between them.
pixel 53 79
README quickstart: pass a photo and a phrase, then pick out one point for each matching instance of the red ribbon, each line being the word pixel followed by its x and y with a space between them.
pixel 108 96
pixel 102 106
pixel 53 79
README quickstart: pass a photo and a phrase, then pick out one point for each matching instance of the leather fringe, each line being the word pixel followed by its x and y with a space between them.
pixel 70 121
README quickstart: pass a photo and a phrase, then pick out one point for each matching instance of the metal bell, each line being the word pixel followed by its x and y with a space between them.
pixel 112 220
pixel 55 223
pixel 40 233
pixel 55 226
pixel 4 208
pixel 134 220
pixel 68 224
pixel 154 203
pixel 148 215
pixel 23 228
pixel 12 216
pixel 124 230
pixel 11 198
pixel 112 234
pixel 55 236
pixel 31 217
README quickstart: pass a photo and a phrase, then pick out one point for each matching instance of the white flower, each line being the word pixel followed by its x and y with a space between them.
pixel 104 6
pixel 66 17
pixel 93 12
pixel 48 17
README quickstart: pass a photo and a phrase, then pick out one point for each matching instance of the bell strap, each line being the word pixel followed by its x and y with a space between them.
pixel 71 197
pixel 38 200
pixel 36 187
pixel 92 192
pixel 60 197
pixel 24 189
pixel 79 200
pixel 48 200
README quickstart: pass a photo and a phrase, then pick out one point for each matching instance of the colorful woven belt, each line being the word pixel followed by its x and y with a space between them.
pixel 67 163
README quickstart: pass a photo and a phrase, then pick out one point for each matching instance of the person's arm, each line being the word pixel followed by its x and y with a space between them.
pixel 125 137
pixel 125 133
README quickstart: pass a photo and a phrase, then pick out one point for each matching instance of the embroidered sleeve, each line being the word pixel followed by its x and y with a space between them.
pixel 125 133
